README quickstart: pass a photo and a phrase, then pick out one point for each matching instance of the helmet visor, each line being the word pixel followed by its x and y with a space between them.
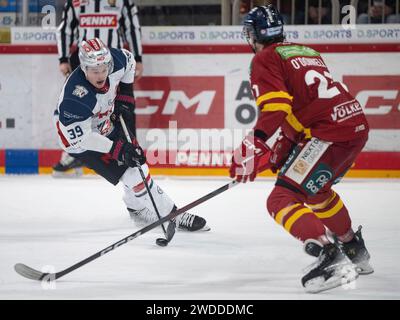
pixel 248 33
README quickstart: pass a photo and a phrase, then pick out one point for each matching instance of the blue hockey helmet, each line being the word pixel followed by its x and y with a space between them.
pixel 263 24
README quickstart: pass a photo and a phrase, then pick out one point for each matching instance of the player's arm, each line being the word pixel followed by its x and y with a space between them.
pixel 75 128
pixel 271 95
pixel 275 105
pixel 124 103
pixel 274 102
pixel 130 26
pixel 66 33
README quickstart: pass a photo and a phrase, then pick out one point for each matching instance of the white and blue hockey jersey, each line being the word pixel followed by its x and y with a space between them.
pixel 83 113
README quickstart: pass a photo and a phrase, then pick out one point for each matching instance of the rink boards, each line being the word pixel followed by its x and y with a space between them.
pixel 368 164
pixel 194 103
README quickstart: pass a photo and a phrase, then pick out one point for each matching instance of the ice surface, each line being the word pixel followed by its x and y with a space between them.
pixel 53 223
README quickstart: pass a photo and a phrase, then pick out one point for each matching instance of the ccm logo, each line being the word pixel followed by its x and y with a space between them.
pixel 98 21
pixel 193 102
pixel 380 97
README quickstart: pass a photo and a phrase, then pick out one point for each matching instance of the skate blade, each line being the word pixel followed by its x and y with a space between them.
pixel 71 173
pixel 364 268
pixel 342 277
pixel 204 229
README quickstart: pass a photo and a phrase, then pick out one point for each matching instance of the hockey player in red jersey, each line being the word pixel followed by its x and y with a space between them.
pixel 322 130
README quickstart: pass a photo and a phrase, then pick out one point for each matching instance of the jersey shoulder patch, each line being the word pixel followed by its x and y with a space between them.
pixel 78 101
pixel 291 50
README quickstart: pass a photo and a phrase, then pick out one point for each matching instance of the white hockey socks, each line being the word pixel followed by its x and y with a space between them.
pixel 136 196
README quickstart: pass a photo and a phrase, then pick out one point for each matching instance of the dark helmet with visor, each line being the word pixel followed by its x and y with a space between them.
pixel 264 25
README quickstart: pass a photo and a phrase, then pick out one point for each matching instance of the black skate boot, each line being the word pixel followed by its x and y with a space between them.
pixel 185 221
pixel 355 250
pixel 68 163
pixel 332 269
pixel 191 222
pixel 358 253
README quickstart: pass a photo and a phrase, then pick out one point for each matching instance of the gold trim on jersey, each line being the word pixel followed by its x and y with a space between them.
pixel 290 118
pixel 324 204
pixel 273 95
pixel 296 216
pixel 331 212
pixel 283 212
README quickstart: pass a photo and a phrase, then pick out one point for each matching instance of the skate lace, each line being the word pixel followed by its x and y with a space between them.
pixel 315 264
pixel 186 220
pixel 322 260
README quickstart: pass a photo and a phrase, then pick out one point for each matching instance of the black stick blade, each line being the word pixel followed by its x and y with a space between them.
pixel 29 273
pixel 170 230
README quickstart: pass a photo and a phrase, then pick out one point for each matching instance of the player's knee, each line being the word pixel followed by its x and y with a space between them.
pixel 280 198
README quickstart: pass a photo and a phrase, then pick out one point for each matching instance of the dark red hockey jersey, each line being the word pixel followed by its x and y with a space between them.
pixel 295 91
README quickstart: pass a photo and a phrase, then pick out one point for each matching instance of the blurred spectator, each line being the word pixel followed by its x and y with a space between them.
pixel 378 10
pixel 314 11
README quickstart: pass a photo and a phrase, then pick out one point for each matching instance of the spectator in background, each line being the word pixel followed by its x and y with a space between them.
pixel 314 11
pixel 377 11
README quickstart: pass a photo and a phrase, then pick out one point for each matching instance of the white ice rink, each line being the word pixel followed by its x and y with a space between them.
pixel 58 222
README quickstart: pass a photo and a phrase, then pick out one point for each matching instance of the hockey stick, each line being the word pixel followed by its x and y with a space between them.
pixel 33 274
pixel 169 233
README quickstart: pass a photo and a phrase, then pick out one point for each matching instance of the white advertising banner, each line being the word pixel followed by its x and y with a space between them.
pixel 33 35
pixel 189 35
pixel 198 98
pixel 15 102
pixel 199 101
pixel 29 90
pixel 317 34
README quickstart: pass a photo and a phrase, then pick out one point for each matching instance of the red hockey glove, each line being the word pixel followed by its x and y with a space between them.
pixel 280 152
pixel 249 158
pixel 128 153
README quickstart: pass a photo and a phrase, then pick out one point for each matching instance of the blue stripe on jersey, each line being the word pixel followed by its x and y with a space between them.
pixel 79 99
pixel 119 59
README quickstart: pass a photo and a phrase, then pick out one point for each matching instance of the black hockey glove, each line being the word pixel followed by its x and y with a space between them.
pixel 125 105
pixel 129 153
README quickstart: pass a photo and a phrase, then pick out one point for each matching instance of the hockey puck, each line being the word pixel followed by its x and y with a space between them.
pixel 162 242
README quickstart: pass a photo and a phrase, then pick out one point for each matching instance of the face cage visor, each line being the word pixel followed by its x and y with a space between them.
pixel 248 33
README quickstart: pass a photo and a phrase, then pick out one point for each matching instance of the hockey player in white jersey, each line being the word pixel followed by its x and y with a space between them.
pixel 92 99
pixel 116 23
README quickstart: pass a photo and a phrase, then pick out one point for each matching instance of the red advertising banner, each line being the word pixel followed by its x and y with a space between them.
pixel 193 102
pixel 380 96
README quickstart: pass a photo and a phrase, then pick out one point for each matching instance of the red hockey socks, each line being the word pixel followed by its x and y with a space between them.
pixel 288 209
pixel 333 214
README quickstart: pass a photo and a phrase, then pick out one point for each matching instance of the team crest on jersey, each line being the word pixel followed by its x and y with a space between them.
pixel 80 91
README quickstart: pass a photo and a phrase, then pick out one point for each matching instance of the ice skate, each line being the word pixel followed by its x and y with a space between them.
pixel 332 269
pixel 355 250
pixel 191 222
pixel 68 167
pixel 184 222
pixel 358 253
